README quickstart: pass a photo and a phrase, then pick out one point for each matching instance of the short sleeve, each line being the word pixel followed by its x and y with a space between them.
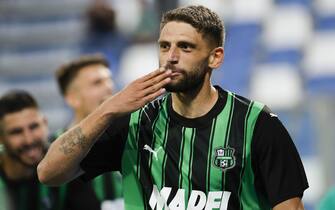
pixel 80 195
pixel 106 153
pixel 279 173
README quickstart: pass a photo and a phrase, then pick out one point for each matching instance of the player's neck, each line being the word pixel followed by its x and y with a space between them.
pixel 196 103
pixel 78 116
pixel 14 169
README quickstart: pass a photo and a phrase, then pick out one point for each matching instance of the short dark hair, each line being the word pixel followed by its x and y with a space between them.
pixel 15 101
pixel 205 21
pixel 67 72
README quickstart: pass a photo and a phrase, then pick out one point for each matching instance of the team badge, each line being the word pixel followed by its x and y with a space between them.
pixel 224 158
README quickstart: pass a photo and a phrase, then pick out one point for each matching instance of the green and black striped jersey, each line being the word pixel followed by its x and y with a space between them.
pixel 237 156
pixel 29 194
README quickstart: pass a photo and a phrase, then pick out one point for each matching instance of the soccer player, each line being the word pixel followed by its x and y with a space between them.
pixel 24 135
pixel 197 147
pixel 85 83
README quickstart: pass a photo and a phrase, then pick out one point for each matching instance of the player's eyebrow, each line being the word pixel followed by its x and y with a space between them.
pixel 187 43
pixel 14 131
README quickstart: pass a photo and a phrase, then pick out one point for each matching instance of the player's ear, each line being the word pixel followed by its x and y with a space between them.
pixel 215 58
pixel 71 99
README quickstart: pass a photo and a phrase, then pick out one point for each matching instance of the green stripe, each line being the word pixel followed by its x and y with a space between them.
pixel 98 184
pixel 4 201
pixel 138 125
pixel 191 164
pixel 43 194
pixel 154 145
pixel 185 160
pixel 117 184
pixel 62 195
pixel 219 139
pixel 160 132
pixel 133 197
pixel 232 98
pixel 243 154
pixel 249 199
pixel 209 156
pixel 165 154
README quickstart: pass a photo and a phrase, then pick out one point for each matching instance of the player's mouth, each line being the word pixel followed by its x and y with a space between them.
pixel 32 153
pixel 176 73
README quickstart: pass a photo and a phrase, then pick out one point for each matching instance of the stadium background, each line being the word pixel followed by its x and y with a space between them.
pixel 280 52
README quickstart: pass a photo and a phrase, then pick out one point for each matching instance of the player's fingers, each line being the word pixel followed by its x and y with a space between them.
pixel 157 79
pixel 151 75
pixel 154 95
pixel 157 86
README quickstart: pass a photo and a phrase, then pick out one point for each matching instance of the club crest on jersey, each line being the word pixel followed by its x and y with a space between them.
pixel 224 158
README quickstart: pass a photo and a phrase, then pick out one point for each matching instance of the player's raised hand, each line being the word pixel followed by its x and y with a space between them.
pixel 138 93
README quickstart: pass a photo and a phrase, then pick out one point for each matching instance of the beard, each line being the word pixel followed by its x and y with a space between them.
pixel 191 79
pixel 17 153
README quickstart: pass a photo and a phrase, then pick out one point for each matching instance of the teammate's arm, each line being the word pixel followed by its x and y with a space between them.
pixel 61 163
pixel 291 204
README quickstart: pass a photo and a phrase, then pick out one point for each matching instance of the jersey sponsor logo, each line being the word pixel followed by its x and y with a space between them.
pixel 154 152
pixel 198 200
pixel 224 158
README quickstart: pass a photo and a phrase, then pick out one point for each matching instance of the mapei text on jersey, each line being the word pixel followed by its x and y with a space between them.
pixel 197 200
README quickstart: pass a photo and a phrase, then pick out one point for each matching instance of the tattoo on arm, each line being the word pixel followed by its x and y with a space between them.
pixel 73 139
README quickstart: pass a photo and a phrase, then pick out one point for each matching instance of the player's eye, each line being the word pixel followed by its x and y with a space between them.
pixel 186 46
pixel 34 126
pixel 164 46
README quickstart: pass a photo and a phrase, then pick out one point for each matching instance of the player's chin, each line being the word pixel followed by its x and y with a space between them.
pixel 173 86
pixel 32 157
pixel 31 162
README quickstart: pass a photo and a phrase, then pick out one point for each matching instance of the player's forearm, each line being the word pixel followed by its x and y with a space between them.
pixel 61 163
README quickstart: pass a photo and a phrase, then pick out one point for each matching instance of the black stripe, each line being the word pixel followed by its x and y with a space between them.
pixel 165 154
pixel 208 164
pixel 173 145
pixel 108 186
pixel 191 162
pixel 148 117
pixel 181 158
pixel 138 151
pixel 244 151
pixel 229 121
pixel 227 136
pixel 236 141
pixel 138 164
pixel 199 166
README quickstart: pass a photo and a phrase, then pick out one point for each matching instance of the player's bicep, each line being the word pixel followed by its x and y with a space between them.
pixel 291 204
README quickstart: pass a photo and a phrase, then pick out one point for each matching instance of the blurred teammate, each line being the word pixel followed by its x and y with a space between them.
pixel 24 135
pixel 198 147
pixel 85 83
pixel 327 202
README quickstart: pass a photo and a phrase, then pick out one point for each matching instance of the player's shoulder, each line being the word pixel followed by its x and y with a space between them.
pixel 245 102
pixel 265 113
